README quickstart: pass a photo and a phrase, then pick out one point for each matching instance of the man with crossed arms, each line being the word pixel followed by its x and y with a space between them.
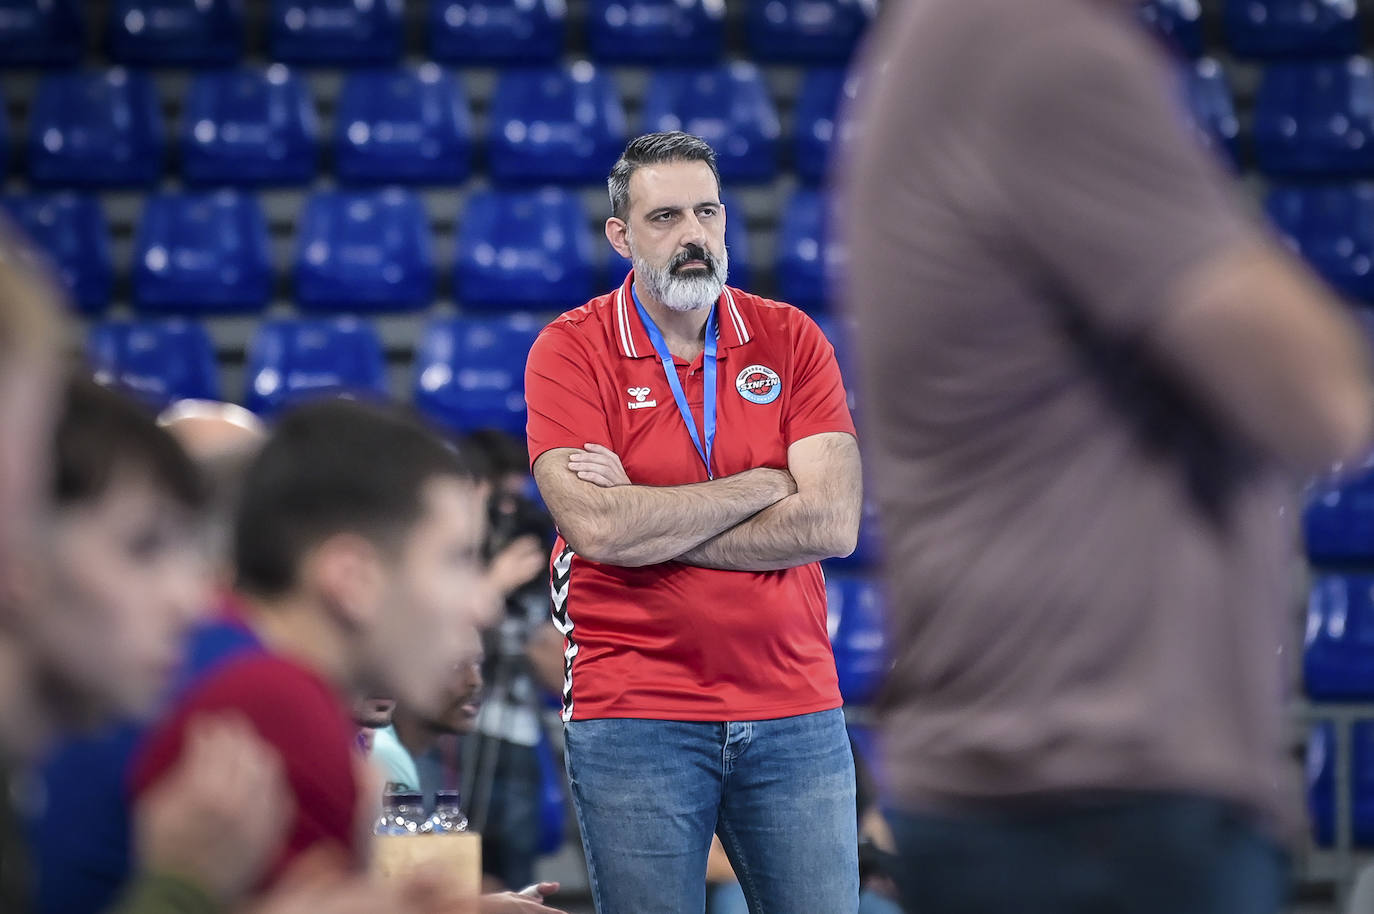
pixel 695 448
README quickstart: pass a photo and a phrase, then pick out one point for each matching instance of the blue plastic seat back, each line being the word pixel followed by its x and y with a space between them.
pixel 524 250
pixel 203 252
pixel 403 126
pixel 1178 23
pixel 41 33
pixel 1212 107
pixel 470 371
pixel 741 273
pixel 1292 28
pixel 70 229
pixel 290 361
pixel 506 32
pixel 249 127
pixel 729 107
pixel 806 31
pixel 803 251
pixel 365 251
pixel 1338 657
pixel 561 125
pixel 656 32
pixel 1338 522
pixel 859 636
pixel 1333 228
pixel 817 120
pixel 196 33
pixel 336 31
pixel 1362 783
pixel 157 361
pixel 1320 771
pixel 95 129
pixel 1316 119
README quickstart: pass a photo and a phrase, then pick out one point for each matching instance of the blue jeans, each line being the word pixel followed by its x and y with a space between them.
pixel 780 793
pixel 1126 854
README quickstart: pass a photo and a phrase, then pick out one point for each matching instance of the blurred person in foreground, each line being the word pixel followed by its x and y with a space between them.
pixel 85 778
pixel 1093 387
pixel 694 445
pixel 357 555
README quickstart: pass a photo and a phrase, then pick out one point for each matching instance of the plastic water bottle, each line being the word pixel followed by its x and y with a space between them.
pixel 448 815
pixel 402 814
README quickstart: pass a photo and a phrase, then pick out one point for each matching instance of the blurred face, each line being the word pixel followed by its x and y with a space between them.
pixel 27 406
pixel 426 625
pixel 462 699
pixel 123 582
pixel 674 234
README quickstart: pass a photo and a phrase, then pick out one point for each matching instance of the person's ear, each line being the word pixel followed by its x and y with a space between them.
pixel 348 573
pixel 618 234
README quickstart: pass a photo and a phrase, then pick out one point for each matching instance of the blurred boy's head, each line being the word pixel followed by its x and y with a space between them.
pixel 360 518
pixel 117 575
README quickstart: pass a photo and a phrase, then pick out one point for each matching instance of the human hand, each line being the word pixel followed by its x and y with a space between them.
pixel 522 560
pixel 531 898
pixel 220 816
pixel 599 465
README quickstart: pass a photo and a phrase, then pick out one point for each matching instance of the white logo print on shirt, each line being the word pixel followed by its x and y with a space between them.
pixel 640 402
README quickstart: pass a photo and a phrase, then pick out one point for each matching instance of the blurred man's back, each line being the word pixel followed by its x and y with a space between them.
pixel 1089 381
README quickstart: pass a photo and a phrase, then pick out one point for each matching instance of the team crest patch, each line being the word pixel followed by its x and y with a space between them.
pixel 758 384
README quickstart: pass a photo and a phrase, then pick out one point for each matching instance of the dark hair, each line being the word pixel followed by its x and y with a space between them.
pixel 653 149
pixel 332 467
pixel 499 452
pixel 102 436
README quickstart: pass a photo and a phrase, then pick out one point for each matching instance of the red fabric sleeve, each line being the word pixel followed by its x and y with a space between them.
pixel 819 403
pixel 565 405
pixel 297 713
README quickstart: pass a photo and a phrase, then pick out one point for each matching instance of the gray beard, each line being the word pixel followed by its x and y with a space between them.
pixel 683 293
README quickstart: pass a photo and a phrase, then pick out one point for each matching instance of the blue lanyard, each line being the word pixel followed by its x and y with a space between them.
pixel 708 368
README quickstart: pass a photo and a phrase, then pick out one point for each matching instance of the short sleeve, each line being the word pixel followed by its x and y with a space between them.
pixel 561 394
pixel 304 724
pixel 819 402
pixel 1095 173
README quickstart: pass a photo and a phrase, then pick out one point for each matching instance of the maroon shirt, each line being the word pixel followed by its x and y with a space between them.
pixel 1088 568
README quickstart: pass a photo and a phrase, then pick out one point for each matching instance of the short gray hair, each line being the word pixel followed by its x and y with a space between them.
pixel 654 149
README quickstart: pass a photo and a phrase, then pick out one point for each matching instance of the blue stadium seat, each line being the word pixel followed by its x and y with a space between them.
pixel 1338 659
pixel 728 107
pixel 1315 119
pixel 72 232
pixel 658 32
pixel 868 551
pixel 1213 108
pixel 365 251
pixel 294 360
pixel 505 32
pixel 1321 782
pixel 41 33
pixel 1292 28
pixel 6 144
pixel 95 129
pixel 1333 228
pixel 249 127
pixel 470 371
pixel 408 125
pixel 803 252
pixel 202 253
pixel 806 31
pixel 197 33
pixel 1339 522
pixel 736 241
pixel 524 250
pixel 1177 22
pixel 817 120
pixel 1362 783
pixel 336 31
pixel 858 636
pixel 555 124
pixel 158 361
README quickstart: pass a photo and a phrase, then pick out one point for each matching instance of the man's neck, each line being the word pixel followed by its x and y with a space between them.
pixel 25 726
pixel 683 331
pixel 295 628
pixel 413 734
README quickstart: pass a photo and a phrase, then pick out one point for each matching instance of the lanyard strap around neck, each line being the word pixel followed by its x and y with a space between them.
pixel 708 369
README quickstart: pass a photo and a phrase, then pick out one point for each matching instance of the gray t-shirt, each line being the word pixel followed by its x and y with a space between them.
pixel 1088 568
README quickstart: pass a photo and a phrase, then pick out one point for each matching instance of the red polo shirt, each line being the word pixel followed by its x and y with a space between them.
pixel 671 641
